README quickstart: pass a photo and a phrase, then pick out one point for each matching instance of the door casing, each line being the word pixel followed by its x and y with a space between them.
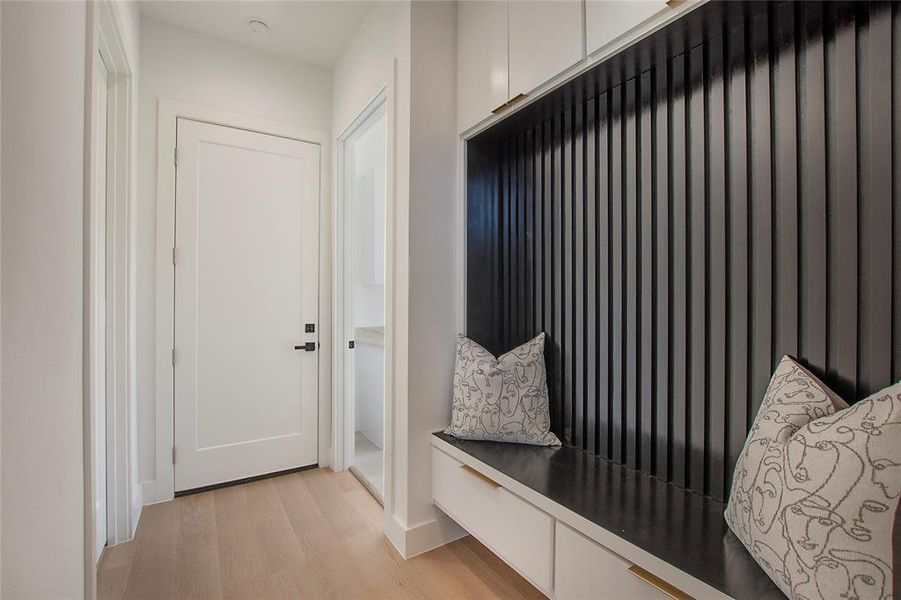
pixel 343 385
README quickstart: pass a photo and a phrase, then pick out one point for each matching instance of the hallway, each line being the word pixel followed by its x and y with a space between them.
pixel 313 534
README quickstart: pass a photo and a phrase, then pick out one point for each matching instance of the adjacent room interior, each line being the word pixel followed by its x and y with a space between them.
pixel 512 299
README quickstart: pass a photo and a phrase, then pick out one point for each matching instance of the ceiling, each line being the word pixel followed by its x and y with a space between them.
pixel 311 31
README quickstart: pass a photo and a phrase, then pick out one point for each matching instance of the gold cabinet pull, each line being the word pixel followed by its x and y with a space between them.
pixel 655 582
pixel 480 477
pixel 518 97
pixel 674 3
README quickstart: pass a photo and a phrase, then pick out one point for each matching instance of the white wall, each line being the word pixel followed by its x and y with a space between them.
pixel 433 296
pixel 366 64
pixel 379 55
pixel 369 392
pixel 184 65
pixel 42 178
pixel 413 44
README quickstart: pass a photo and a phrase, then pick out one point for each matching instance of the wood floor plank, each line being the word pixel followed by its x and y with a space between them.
pixel 314 534
pixel 240 560
pixel 152 573
pixel 197 572
pixel 493 571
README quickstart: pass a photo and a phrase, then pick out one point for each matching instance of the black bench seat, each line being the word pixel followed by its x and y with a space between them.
pixel 682 528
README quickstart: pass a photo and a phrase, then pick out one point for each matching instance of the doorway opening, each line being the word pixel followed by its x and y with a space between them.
pixel 361 281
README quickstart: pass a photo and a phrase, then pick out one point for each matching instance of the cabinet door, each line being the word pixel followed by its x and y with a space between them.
pixel 584 570
pixel 482 78
pixel 545 40
pixel 606 20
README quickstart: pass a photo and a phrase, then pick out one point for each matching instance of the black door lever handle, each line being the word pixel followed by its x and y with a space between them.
pixel 308 347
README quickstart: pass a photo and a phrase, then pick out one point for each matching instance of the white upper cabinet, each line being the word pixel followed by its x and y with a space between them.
pixel 545 40
pixel 607 20
pixel 482 77
pixel 507 48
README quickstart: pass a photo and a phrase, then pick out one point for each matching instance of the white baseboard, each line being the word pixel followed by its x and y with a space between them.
pixel 423 537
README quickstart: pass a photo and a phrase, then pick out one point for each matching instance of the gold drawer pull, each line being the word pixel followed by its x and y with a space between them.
pixel 674 3
pixel 655 582
pixel 480 477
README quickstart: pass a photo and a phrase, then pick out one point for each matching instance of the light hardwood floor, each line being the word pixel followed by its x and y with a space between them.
pixel 314 534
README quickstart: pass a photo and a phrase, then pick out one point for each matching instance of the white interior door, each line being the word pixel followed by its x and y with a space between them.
pixel 98 300
pixel 246 284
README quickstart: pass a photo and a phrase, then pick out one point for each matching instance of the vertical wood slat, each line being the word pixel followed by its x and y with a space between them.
pixel 739 243
pixel 526 153
pixel 761 283
pixel 697 275
pixel 645 181
pixel 676 231
pixel 568 202
pixel 662 227
pixel 896 201
pixel 578 274
pixel 785 171
pixel 842 199
pixel 515 272
pixel 715 447
pixel 535 173
pixel 547 203
pixel 604 263
pixel 680 330
pixel 505 237
pixel 630 252
pixel 617 277
pixel 813 289
pixel 559 308
pixel 875 211
pixel 592 340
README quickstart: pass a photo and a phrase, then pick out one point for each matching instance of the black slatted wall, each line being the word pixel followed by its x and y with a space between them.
pixel 680 218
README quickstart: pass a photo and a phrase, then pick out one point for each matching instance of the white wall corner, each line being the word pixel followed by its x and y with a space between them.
pixel 421 538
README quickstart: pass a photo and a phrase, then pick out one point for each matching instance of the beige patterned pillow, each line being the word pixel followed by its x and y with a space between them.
pixel 816 488
pixel 501 399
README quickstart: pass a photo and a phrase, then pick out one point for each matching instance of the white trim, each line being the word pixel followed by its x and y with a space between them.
pixel 598 534
pixel 121 400
pixel 168 112
pixel 423 537
pixel 460 273
pixel 342 386
pixel 105 37
pixel 391 341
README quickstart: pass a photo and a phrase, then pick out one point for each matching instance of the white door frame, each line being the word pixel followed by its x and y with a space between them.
pixel 343 426
pixel 122 505
pixel 162 488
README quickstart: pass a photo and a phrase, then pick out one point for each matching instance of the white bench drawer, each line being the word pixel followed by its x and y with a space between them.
pixel 512 528
pixel 585 570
